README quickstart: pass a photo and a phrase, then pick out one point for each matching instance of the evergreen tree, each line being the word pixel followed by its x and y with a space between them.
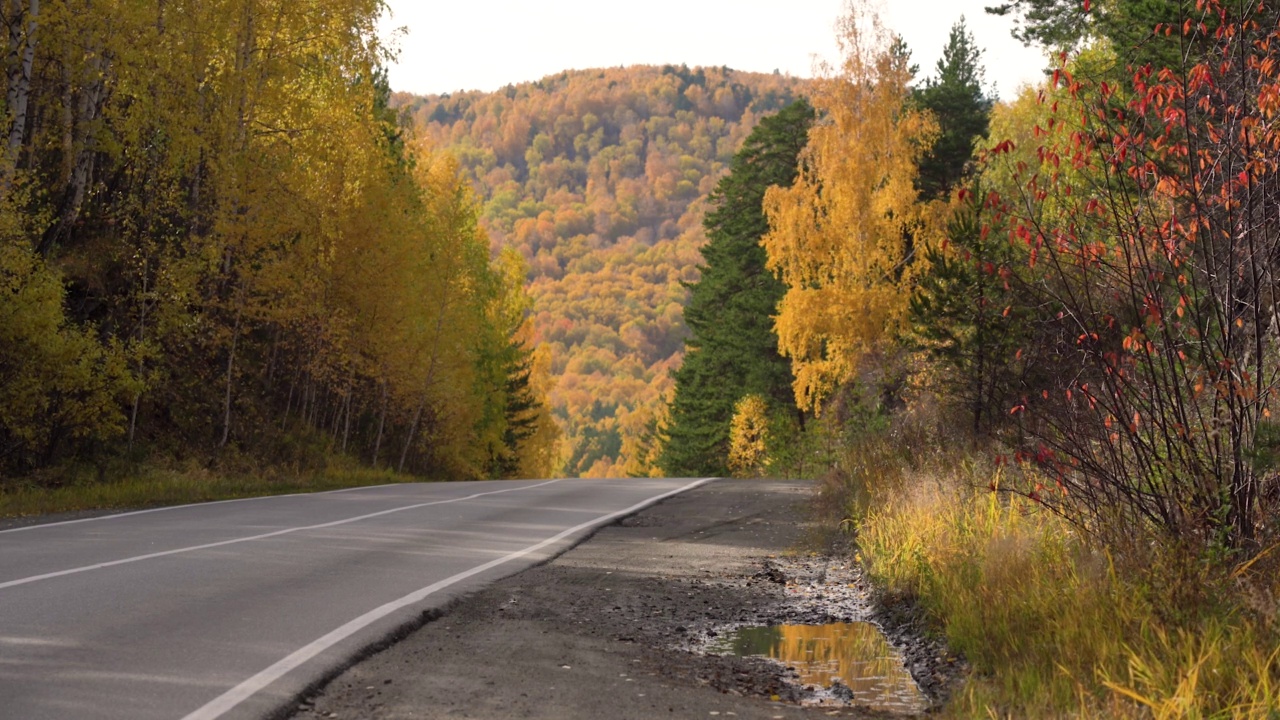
pixel 733 350
pixel 520 413
pixel 957 311
pixel 962 315
pixel 1050 23
pixel 961 107
pixel 1129 25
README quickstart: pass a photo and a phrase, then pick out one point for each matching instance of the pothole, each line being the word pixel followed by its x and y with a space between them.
pixel 850 663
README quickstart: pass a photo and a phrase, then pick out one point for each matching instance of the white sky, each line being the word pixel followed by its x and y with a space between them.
pixel 485 44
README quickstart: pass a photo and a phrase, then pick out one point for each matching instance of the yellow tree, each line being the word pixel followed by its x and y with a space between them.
pixel 215 233
pixel 749 436
pixel 540 454
pixel 844 237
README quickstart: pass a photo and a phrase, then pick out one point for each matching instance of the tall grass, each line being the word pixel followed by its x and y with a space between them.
pixel 154 485
pixel 1053 623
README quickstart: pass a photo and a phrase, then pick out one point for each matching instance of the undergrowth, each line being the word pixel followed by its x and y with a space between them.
pixel 1053 622
pixel 153 484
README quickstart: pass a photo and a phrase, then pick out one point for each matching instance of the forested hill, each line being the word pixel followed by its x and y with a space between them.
pixel 217 247
pixel 597 177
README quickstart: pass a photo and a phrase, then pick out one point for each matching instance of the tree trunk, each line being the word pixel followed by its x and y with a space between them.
pixel 226 403
pixel 1243 483
pixel 288 403
pixel 382 421
pixel 315 406
pixel 142 336
pixel 346 426
pixel 133 418
pixel 90 105
pixel 413 430
pixel 22 55
pixel 305 407
pixel 339 405
pixel 272 362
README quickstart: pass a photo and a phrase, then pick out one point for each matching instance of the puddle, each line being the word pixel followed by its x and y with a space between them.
pixel 856 654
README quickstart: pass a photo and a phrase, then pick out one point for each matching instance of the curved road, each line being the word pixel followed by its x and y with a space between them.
pixel 231 609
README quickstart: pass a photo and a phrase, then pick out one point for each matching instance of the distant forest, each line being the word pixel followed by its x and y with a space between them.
pixel 597 177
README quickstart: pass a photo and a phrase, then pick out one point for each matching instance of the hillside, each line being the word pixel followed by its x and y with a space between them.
pixel 598 178
pixel 218 248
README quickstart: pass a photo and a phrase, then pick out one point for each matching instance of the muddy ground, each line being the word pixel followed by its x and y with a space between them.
pixel 617 627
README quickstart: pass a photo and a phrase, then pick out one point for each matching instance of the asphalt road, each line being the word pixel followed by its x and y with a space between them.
pixel 604 630
pixel 230 610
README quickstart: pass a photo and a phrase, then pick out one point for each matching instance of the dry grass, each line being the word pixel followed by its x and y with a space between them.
pixel 1053 624
pixel 155 485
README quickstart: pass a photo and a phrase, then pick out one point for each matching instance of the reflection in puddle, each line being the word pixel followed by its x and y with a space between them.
pixel 856 654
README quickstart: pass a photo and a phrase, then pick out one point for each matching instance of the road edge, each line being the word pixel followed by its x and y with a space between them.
pixel 231 699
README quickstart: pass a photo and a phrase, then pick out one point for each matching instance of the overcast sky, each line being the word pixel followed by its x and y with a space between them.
pixel 484 44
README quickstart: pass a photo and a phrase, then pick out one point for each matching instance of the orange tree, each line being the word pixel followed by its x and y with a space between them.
pixel 1149 226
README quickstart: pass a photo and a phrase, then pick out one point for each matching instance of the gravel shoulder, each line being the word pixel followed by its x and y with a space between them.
pixel 615 626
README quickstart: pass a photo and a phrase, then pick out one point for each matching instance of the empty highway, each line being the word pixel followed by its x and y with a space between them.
pixel 230 609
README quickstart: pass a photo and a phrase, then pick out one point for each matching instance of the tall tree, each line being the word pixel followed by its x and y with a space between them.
pixel 961 107
pixel 1129 25
pixel 956 312
pixel 733 348
pixel 962 315
pixel 843 237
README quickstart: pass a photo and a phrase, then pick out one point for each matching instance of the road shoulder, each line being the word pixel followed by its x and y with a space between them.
pixel 608 628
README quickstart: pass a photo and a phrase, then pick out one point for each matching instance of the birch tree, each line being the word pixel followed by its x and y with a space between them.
pixel 844 237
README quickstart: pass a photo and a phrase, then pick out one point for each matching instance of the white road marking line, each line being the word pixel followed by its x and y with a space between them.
pixel 130 513
pixel 238 694
pixel 251 538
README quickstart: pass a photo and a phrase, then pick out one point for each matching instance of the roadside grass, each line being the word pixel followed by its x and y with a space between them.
pixel 1055 624
pixel 146 485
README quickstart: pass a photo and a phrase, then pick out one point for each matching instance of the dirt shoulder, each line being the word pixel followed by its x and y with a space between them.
pixel 612 627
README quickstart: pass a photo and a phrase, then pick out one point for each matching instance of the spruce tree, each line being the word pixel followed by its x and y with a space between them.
pixel 733 350
pixel 520 411
pixel 963 315
pixel 962 108
pixel 957 310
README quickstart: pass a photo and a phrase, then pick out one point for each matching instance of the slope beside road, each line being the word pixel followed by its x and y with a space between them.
pixel 230 610
pixel 612 628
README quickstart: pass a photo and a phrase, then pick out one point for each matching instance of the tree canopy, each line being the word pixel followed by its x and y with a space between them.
pixel 220 243
pixel 732 350
pixel 597 178
pixel 842 237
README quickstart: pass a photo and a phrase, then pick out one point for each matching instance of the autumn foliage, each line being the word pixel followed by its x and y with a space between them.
pixel 843 236
pixel 216 242
pixel 1106 269
pixel 1093 295
pixel 1149 231
pixel 597 178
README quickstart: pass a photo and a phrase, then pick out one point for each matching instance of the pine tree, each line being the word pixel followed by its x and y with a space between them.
pixel 956 313
pixel 733 350
pixel 1128 25
pixel 961 107
pixel 963 316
